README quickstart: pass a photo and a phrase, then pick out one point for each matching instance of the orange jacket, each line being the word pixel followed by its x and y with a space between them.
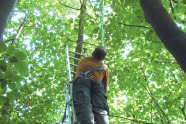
pixel 89 63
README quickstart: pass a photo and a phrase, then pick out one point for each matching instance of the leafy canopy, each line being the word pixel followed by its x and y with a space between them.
pixel 144 77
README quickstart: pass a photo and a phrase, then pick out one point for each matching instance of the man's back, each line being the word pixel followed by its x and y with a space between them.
pixel 89 63
pixel 89 98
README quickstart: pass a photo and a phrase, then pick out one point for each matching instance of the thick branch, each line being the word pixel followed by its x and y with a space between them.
pixel 171 36
pixel 81 32
pixel 6 9
pixel 68 6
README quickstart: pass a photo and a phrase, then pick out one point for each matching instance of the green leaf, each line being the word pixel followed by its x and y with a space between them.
pixel 15 78
pixel 12 85
pixel 13 59
pixel 3 83
pixel 20 55
pixel 184 1
pixel 2 47
pixel 1 74
pixel 3 100
pixel 22 67
pixel 3 86
pixel 3 65
pixel 10 50
pixel 21 121
pixel 13 95
pixel 8 73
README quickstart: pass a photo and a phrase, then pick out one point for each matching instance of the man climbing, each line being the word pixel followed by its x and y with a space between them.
pixel 89 89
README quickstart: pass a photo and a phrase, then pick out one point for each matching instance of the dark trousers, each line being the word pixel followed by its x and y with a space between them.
pixel 90 102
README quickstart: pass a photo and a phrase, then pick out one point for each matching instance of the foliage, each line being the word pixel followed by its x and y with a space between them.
pixel 142 71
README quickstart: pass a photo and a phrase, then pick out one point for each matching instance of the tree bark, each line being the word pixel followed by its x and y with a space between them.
pixel 81 32
pixel 6 9
pixel 171 36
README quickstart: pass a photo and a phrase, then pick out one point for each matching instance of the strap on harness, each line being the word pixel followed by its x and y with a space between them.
pixel 96 69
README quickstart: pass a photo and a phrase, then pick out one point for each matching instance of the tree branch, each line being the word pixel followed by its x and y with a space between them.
pixel 146 80
pixel 169 33
pixel 175 1
pixel 68 6
pixel 9 40
pixel 184 75
pixel 171 5
pixel 138 26
pixel 175 78
pixel 183 110
pixel 20 28
pixel 6 9
pixel 150 94
pixel 81 32
pixel 166 62
pixel 156 41
pixel 130 119
pixel 68 38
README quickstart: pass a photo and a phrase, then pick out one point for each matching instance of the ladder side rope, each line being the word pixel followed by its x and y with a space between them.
pixel 69 113
pixel 102 13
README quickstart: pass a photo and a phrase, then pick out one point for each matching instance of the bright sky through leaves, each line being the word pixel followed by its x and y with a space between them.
pixel 139 63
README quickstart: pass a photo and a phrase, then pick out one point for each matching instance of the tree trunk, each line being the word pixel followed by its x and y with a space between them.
pixel 81 31
pixel 6 9
pixel 171 36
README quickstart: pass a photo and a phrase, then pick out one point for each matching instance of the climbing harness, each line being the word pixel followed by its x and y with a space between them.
pixel 97 69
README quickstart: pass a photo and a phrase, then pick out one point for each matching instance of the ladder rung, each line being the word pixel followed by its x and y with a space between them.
pixel 73 72
pixel 73 64
pixel 76 53
pixel 74 58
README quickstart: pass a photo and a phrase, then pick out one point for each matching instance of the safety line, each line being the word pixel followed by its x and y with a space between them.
pixel 65 112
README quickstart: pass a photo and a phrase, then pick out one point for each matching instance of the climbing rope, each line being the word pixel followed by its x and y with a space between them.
pixel 102 13
pixel 65 112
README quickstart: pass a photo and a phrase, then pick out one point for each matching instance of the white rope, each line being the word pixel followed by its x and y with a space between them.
pixel 102 13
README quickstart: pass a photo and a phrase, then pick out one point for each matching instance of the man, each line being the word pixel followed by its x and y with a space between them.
pixel 89 98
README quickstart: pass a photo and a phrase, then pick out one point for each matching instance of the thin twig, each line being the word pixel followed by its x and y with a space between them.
pixel 156 103
pixel 165 62
pixel 183 110
pixel 150 94
pixel 156 41
pixel 68 6
pixel 184 75
pixel 68 38
pixel 175 78
pixel 175 1
pixel 9 40
pixel 171 5
pixel 130 119
pixel 20 28
pixel 146 80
